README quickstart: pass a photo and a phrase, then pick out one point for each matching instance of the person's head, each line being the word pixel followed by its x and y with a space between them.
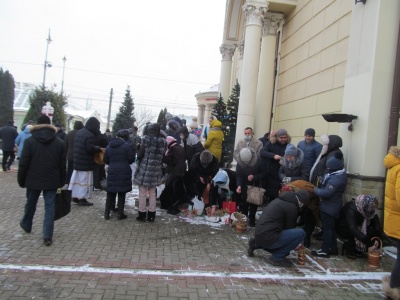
pixel 302 197
pixel 153 129
pixel 170 140
pixel 123 134
pixel 183 132
pixel 58 126
pixel 282 136
pixel 193 125
pixel 43 119
pixel 168 117
pixel 309 135
pixel 367 205
pixel 78 125
pixel 248 133
pixel 206 158
pixel 246 155
pixel 210 119
pixel 10 123
pixel 291 152
pixel 108 132
pixel 335 162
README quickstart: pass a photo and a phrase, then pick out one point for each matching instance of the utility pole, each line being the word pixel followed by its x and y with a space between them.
pixel 62 82
pixel 46 63
pixel 109 109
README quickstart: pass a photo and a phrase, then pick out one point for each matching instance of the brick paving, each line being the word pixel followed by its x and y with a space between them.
pixel 169 259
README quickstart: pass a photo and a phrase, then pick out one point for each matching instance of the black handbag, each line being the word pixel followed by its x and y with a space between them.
pixel 103 184
pixel 63 204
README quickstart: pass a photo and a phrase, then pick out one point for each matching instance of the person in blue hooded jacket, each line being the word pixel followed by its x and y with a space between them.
pixel 22 136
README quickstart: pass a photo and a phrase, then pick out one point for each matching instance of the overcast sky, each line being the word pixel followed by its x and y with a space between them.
pixel 166 51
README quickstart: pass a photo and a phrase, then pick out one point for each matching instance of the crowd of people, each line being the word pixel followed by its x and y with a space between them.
pixel 304 184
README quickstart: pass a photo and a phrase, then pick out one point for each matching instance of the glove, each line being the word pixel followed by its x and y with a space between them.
pixel 286 180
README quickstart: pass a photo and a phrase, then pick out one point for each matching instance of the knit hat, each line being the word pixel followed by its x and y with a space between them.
pixel 309 131
pixel 43 119
pixel 335 162
pixel 168 116
pixel 245 155
pixel 170 139
pixel 291 150
pixel 303 196
pixel 281 132
pixel 193 125
pixel 205 158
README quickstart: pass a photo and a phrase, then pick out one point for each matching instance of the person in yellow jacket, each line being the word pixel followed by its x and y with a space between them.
pixel 214 139
pixel 391 226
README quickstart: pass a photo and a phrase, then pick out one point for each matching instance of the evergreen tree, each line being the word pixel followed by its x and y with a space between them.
pixel 7 86
pixel 39 98
pixel 219 110
pixel 161 116
pixel 228 145
pixel 125 118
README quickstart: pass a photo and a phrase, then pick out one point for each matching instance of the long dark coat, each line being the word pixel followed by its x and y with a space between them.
pixel 42 165
pixel 118 156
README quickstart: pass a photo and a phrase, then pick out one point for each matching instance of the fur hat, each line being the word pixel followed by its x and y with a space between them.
pixel 43 119
pixel 281 132
pixel 206 157
pixel 291 150
pixel 193 125
pixel 123 134
pixel 303 196
pixel 335 162
pixel 245 155
pixel 170 139
pixel 310 131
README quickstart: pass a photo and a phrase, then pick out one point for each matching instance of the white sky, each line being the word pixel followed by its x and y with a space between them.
pixel 166 51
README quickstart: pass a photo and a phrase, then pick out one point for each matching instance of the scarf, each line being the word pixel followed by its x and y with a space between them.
pixel 366 206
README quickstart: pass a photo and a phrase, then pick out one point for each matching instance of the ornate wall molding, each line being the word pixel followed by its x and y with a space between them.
pixel 271 23
pixel 254 12
pixel 241 49
pixel 227 51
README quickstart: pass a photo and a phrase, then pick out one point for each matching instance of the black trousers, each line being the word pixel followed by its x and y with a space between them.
pixel 8 159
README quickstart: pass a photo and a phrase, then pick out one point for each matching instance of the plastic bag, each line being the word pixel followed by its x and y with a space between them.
pixel 198 205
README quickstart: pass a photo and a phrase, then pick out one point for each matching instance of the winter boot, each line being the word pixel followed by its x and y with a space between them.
pixel 107 209
pixel 141 217
pixel 390 293
pixel 151 215
pixel 121 206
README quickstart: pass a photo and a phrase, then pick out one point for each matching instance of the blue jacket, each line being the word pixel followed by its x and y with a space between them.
pixel 119 155
pixel 331 192
pixel 311 151
pixel 19 141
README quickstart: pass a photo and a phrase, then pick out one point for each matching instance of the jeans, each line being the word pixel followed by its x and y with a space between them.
pixel 288 240
pixel 143 190
pixel 328 233
pixel 32 197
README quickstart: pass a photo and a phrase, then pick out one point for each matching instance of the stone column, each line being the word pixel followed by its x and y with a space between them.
pixel 227 52
pixel 266 74
pixel 207 113
pixel 254 12
pixel 200 114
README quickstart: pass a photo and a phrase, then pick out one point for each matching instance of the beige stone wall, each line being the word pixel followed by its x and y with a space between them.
pixel 313 66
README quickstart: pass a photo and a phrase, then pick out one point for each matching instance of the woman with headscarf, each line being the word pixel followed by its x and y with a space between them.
pixel 148 172
pixel 118 156
pixel 391 227
pixel 358 223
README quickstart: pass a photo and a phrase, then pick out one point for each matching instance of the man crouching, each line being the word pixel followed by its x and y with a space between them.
pixel 276 230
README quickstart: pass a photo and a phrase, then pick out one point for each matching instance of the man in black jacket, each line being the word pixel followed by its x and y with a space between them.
pixel 8 134
pixel 42 168
pixel 276 230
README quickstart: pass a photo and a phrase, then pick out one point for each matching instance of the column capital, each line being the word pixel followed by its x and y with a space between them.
pixel 254 10
pixel 271 23
pixel 241 49
pixel 227 51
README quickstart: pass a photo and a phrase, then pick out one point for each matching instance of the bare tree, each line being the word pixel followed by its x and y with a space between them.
pixel 143 115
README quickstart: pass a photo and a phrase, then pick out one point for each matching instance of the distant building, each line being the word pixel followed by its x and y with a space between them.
pixel 205 102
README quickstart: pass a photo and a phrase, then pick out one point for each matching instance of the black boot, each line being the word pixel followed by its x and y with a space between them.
pixel 252 220
pixel 151 215
pixel 307 241
pixel 107 209
pixel 121 206
pixel 141 217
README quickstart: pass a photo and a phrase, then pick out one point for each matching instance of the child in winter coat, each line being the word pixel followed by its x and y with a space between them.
pixel 331 191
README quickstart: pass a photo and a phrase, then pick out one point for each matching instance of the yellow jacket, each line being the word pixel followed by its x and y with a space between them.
pixel 214 139
pixel 392 193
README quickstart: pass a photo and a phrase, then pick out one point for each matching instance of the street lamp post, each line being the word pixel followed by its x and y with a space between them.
pixel 46 63
pixel 62 82
pixel 48 110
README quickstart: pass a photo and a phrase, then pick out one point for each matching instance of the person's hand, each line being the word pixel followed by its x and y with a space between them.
pixel 374 246
pixel 250 178
pixel 202 180
pixel 286 180
pixel 239 189
pixel 277 157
